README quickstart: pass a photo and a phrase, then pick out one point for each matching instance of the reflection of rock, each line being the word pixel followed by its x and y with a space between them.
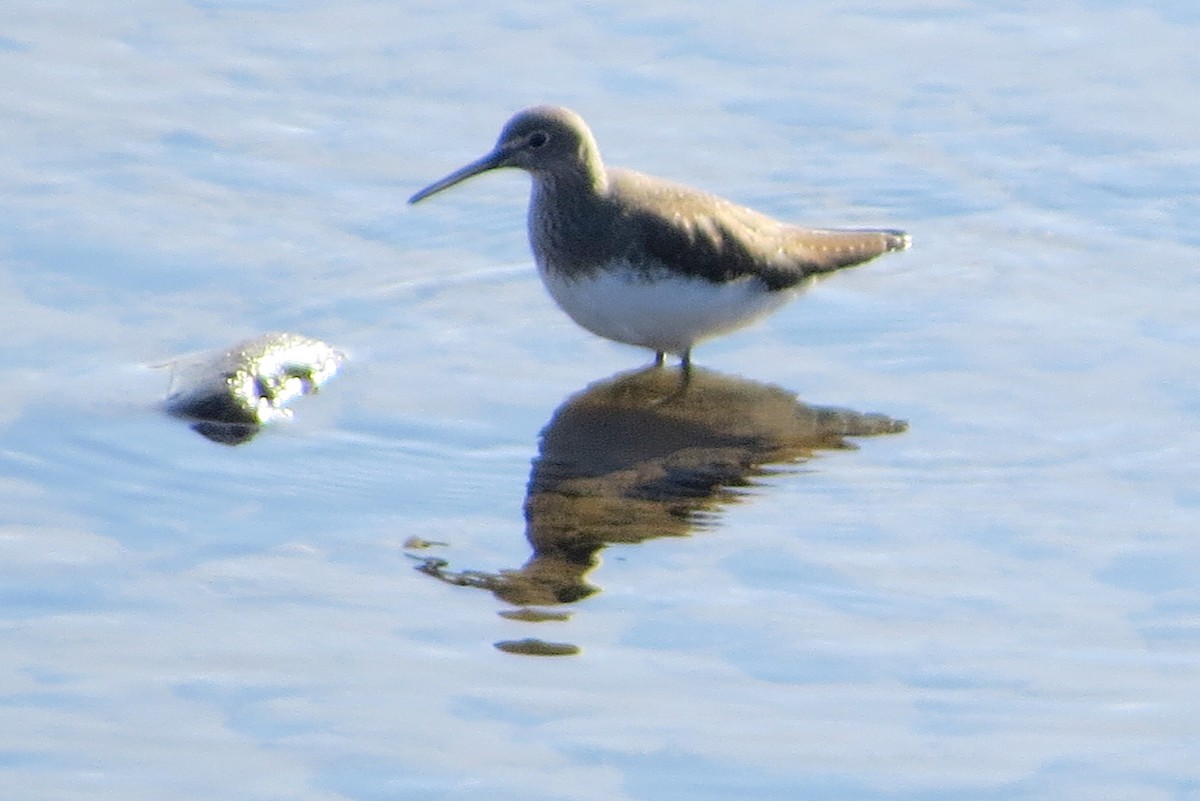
pixel 230 394
pixel 630 458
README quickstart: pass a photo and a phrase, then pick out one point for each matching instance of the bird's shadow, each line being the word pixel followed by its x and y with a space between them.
pixel 631 458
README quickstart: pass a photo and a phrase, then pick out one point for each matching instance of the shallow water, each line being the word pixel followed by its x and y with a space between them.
pixel 1000 602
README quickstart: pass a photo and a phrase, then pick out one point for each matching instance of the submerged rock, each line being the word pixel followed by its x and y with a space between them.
pixel 230 394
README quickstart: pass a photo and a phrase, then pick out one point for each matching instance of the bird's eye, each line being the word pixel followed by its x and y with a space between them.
pixel 538 138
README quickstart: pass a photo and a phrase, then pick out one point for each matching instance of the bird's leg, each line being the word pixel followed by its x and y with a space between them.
pixel 685 375
pixel 685 380
pixel 659 358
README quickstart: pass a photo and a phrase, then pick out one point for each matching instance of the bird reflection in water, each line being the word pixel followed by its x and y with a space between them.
pixel 630 459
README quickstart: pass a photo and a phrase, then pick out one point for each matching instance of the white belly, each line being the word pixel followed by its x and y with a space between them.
pixel 666 313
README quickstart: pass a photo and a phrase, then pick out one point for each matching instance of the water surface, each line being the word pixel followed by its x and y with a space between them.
pixel 1000 602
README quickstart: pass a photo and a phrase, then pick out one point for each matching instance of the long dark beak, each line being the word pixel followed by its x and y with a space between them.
pixel 489 162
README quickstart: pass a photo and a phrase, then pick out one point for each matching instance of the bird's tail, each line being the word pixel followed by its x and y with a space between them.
pixel 896 240
pixel 834 249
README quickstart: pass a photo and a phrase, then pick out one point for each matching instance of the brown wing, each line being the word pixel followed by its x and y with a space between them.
pixel 709 236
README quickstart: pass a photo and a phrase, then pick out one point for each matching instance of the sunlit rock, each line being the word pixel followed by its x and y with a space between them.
pixel 230 394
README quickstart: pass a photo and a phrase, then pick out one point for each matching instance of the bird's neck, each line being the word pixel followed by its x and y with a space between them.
pixel 570 221
pixel 585 179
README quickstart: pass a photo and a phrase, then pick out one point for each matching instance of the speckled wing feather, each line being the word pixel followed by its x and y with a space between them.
pixel 686 229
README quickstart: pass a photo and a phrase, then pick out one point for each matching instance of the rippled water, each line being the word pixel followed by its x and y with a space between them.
pixel 999 602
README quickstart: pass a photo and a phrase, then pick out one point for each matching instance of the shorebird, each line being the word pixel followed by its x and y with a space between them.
pixel 648 262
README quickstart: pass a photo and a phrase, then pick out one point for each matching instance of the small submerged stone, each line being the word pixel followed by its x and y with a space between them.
pixel 229 394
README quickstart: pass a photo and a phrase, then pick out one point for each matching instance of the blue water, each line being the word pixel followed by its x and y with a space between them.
pixel 1000 603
